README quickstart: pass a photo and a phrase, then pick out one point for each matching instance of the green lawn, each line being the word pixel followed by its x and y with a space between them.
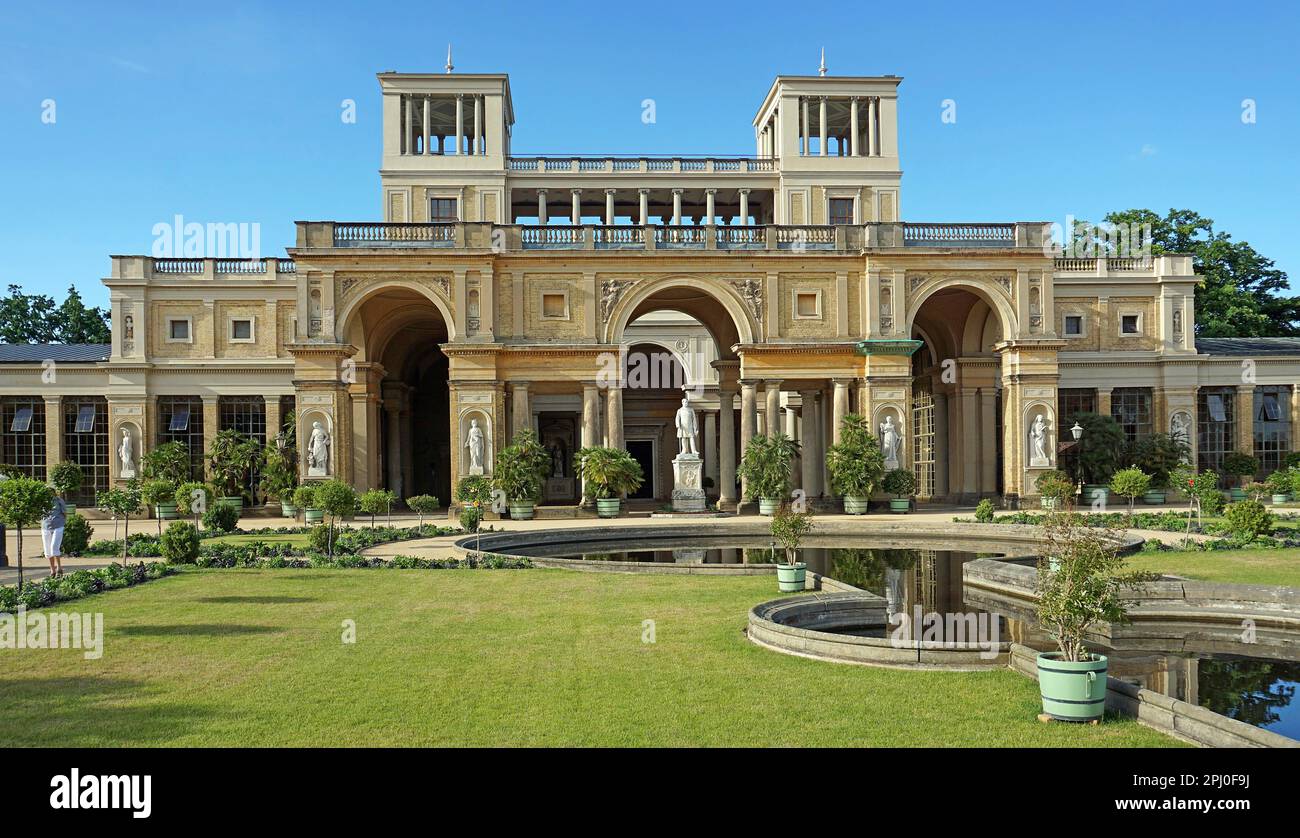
pixel 292 539
pixel 533 657
pixel 1257 567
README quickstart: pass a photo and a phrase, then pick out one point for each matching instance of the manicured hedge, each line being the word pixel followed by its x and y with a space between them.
pixel 75 585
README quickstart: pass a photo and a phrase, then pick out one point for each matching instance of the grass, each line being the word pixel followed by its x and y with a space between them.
pixel 1249 567
pixel 536 657
pixel 292 539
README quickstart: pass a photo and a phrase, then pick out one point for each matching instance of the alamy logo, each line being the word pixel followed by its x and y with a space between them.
pixel 53 630
pixel 109 791
pixel 214 240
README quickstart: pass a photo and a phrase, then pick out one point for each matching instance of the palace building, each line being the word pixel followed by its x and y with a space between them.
pixel 579 296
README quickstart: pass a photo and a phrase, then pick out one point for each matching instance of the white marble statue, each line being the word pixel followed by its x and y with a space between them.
pixel 126 455
pixel 687 430
pixel 318 451
pixel 1180 427
pixel 474 442
pixel 891 440
pixel 1038 457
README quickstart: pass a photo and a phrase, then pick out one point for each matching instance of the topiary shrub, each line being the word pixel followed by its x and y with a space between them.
pixel 180 543
pixel 984 511
pixel 470 517
pixel 1248 520
pixel 1212 503
pixel 76 535
pixel 221 517
pixel 319 538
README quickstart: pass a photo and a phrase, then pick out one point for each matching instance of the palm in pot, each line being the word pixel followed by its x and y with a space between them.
pixel 855 464
pixel 607 474
pixel 765 468
pixel 520 473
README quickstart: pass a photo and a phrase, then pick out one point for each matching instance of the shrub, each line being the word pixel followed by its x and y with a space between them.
pixel 607 472
pixel 1129 483
pixel 1159 455
pixel 337 499
pixel 1212 503
pixel 221 517
pixel 476 489
pixel 156 493
pixel 765 466
pixel 1099 448
pixel 521 468
pixel 790 528
pixel 169 461
pixel 1280 482
pixel 855 462
pixel 984 511
pixel 180 543
pixel 66 478
pixel 1056 485
pixel 232 457
pixel 374 501
pixel 76 535
pixel 319 538
pixel 900 482
pixel 304 497
pixel 193 499
pixel 1248 520
pixel 422 505
pixel 470 517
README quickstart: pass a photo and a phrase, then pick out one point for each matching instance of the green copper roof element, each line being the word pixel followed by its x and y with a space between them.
pixel 888 347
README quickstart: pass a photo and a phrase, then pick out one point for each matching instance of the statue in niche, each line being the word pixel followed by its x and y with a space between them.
pixel 687 430
pixel 474 442
pixel 318 451
pixel 1038 456
pixel 891 440
pixel 126 455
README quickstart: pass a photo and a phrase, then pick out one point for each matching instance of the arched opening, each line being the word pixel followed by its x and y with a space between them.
pixel 671 340
pixel 404 443
pixel 956 422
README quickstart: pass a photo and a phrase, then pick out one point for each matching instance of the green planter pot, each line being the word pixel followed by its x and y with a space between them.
pixel 1072 691
pixel 165 511
pixel 1154 497
pixel 1091 491
pixel 238 503
pixel 313 516
pixel 1236 493
pixel 605 507
pixel 288 510
pixel 791 577
pixel 768 506
pixel 1281 499
pixel 522 510
pixel 854 505
pixel 900 505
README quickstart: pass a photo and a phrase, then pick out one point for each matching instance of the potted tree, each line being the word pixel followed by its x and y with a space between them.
pixel 23 502
pixel 1098 453
pixel 765 468
pixel 168 463
pixel 856 464
pixel 1079 586
pixel 901 483
pixel 1279 484
pixel 161 495
pixel 422 505
pixel 1130 483
pixel 192 498
pixel 66 478
pixel 279 476
pixel 232 457
pixel 520 473
pixel 789 528
pixel 1054 488
pixel 338 500
pixel 1159 455
pixel 1240 466
pixel 606 474
pixel 121 503
pixel 304 498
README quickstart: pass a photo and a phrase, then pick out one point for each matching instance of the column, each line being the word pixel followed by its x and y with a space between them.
pixel 815 455
pixel 744 207
pixel 575 207
pixel 792 430
pixel 393 454
pixel 988 453
pixel 841 408
pixel 408 133
pixel 1244 414
pixel 711 446
pixel 821 118
pixel 614 423
pixel 708 206
pixel 211 420
pixel 428 131
pixel 478 126
pixel 726 449
pixel 941 444
pixel 521 412
pixel 970 443
pixel 803 138
pixel 54 432
pixel 807 442
pixel 873 126
pixel 677 206
pixel 609 207
pixel 1103 401
pixel 772 392
pixel 643 211
pixel 541 207
pixel 853 127
pixel 460 124
pixel 590 419
pixel 406 465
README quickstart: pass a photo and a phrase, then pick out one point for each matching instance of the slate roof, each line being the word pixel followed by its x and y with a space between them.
pixel 1248 346
pixel 61 353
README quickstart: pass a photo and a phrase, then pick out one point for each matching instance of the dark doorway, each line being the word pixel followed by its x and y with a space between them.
pixel 643 451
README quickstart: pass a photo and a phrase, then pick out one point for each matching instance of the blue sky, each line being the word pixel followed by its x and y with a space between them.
pixel 229 112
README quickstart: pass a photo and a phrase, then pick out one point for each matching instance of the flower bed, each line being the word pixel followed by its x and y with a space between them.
pixel 81 583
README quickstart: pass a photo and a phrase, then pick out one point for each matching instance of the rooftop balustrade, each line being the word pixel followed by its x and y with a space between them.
pixel 614 164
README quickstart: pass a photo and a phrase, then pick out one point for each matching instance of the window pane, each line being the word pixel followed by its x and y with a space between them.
pixel 443 210
pixel 841 210
pixel 180 420
pixel 85 419
pixel 241 329
pixel 22 420
pixel 1217 411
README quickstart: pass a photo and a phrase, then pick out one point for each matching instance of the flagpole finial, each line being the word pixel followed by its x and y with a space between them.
pixel 821 71
pixel 449 64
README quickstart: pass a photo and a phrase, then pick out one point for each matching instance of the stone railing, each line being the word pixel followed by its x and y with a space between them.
pixel 211 268
pixel 1168 264
pixel 613 164
pixel 394 235
pixel 959 235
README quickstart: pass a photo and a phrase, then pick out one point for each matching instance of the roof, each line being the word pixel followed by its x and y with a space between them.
pixel 63 353
pixel 1248 346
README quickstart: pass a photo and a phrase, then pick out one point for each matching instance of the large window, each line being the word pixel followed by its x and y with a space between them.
pixel 1272 411
pixel 443 210
pixel 246 414
pixel 22 435
pixel 180 419
pixel 1131 407
pixel 1070 402
pixel 1215 426
pixel 85 442
pixel 841 210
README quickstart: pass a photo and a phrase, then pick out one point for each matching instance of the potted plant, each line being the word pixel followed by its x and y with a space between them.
pixel 279 476
pixel 1279 484
pixel 232 457
pixel 161 495
pixel 1079 586
pixel 765 468
pixel 789 528
pixel 1159 455
pixel 1098 453
pixel 192 498
pixel 901 483
pixel 422 505
pixel 1240 466
pixel 169 461
pixel 607 473
pixel 521 470
pixel 304 498
pixel 66 478
pixel 855 464
pixel 1130 483
pixel 23 503
pixel 1054 488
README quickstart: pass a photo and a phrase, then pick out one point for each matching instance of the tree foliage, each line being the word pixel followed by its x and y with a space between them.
pixel 37 318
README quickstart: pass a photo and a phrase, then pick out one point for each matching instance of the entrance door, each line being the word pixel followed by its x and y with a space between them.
pixel 643 451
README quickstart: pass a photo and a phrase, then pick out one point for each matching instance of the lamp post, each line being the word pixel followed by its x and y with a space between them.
pixel 1077 433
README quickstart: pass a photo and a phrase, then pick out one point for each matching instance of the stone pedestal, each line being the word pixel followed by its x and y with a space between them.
pixel 688 483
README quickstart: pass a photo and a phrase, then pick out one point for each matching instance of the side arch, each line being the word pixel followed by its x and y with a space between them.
pixel 991 296
pixel 343 320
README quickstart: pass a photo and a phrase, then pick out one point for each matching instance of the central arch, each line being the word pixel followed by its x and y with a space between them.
pixel 717 306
